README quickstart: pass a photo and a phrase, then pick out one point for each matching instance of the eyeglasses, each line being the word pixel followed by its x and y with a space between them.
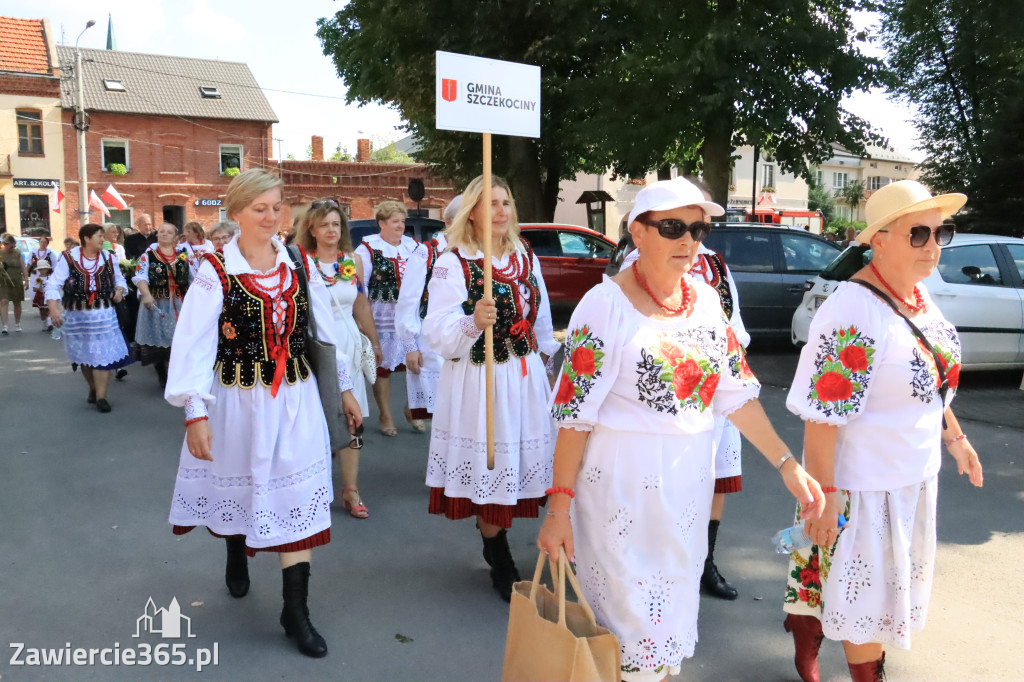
pixel 329 203
pixel 670 228
pixel 919 234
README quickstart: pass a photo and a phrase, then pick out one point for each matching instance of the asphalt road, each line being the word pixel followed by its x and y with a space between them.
pixel 84 544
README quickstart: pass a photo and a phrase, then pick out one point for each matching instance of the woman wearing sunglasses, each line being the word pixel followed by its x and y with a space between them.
pixel 874 393
pixel 323 233
pixel 650 360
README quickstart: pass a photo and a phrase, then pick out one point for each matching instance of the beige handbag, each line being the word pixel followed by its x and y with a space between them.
pixel 551 639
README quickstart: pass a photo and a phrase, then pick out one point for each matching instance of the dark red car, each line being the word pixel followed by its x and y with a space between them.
pixel 572 258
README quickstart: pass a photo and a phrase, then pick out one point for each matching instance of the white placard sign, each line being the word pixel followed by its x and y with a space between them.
pixel 479 95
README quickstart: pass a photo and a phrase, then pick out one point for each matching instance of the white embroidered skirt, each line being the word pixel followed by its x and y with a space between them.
pixel 391 346
pixel 270 478
pixel 727 451
pixel 640 521
pixel 876 582
pixel 422 387
pixel 523 433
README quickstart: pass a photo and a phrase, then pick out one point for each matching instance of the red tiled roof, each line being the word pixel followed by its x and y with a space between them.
pixel 23 46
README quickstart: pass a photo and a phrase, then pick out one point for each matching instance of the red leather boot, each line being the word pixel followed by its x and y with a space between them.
pixel 872 671
pixel 807 637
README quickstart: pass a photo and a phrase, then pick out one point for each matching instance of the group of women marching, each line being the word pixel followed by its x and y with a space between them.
pixel 622 441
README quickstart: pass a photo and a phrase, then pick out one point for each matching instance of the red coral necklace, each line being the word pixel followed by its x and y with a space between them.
pixel 682 281
pixel 918 297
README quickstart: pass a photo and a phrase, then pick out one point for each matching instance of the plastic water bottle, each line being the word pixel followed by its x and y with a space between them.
pixel 789 539
pixel 55 334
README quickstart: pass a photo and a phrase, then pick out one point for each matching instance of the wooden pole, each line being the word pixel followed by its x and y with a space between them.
pixel 489 332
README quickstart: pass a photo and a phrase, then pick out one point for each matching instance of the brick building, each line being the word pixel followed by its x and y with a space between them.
pixel 360 185
pixel 164 131
pixel 31 139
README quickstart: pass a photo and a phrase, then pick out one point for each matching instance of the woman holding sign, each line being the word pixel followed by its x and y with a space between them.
pixel 458 313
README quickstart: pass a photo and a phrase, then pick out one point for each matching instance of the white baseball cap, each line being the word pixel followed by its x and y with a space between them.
pixel 665 195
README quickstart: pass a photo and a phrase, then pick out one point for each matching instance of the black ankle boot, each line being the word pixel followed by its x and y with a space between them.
pixel 503 568
pixel 295 614
pixel 712 581
pixel 236 575
pixel 161 373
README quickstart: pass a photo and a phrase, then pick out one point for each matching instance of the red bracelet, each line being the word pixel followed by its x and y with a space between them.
pixel 829 489
pixel 955 439
pixel 567 491
pixel 189 422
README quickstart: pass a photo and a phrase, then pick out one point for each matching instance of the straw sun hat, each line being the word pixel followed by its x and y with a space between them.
pixel 897 199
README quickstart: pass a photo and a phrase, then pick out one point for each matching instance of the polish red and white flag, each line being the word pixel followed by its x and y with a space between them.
pixel 95 202
pixel 112 197
pixel 58 197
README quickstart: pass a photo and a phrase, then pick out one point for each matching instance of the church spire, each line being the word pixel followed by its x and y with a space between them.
pixel 111 40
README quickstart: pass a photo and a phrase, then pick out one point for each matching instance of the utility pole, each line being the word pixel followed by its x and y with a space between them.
pixel 81 126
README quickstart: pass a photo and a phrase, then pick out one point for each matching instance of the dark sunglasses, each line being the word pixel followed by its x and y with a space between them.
pixel 670 228
pixel 329 203
pixel 919 234
pixel 357 439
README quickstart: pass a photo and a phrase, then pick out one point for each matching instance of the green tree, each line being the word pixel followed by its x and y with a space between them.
pixel 340 154
pixel 818 199
pixel 387 152
pixel 959 62
pixel 625 85
pixel 852 194
pixel 997 198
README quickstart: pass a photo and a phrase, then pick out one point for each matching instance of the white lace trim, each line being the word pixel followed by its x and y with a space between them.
pixel 410 346
pixel 469 328
pixel 259 489
pixel 195 407
pixel 344 382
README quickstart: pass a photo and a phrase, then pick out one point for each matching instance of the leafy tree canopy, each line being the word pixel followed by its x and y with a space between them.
pixel 625 85
pixel 960 62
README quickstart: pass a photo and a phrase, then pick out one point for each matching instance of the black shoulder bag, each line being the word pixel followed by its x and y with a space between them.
pixel 324 362
pixel 943 383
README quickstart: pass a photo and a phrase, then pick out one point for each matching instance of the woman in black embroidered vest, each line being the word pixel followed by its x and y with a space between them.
pixel 255 467
pixel 383 257
pixel 461 486
pixel 81 293
pixel 162 276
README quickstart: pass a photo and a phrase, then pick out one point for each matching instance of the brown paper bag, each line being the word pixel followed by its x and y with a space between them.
pixel 550 639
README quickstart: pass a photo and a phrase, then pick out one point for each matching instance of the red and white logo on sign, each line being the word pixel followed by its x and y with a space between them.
pixel 449 89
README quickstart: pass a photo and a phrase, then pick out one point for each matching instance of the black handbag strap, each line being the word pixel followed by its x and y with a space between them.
pixel 943 384
pixel 300 272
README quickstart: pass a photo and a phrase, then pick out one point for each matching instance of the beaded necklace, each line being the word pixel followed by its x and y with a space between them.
pixel 915 307
pixel 682 282
pixel 344 270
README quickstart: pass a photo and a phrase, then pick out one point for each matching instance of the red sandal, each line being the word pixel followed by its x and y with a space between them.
pixel 358 510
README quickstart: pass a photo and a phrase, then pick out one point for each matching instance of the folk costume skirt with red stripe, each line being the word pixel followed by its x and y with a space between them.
pixel 461 485
pixel 270 478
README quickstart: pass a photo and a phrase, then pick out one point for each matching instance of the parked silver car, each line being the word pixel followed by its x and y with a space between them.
pixel 978 285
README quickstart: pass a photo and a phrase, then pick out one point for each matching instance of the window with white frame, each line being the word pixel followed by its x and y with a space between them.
pixel 877 182
pixel 230 157
pixel 839 179
pixel 114 151
pixel 820 178
pixel 768 175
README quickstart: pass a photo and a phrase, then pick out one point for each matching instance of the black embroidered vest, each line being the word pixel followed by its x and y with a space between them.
pixel 160 274
pixel 386 279
pixel 715 275
pixel 433 251
pixel 512 336
pixel 245 329
pixel 77 294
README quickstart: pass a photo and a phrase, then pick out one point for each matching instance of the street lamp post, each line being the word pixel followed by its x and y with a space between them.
pixel 81 126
